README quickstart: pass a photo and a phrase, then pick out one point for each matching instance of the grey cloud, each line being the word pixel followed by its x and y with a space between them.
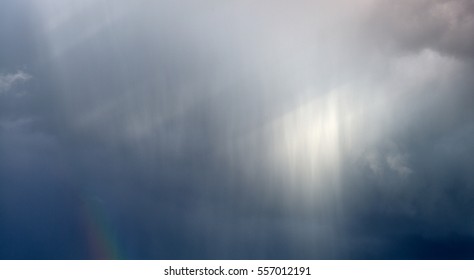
pixel 244 129
pixel 7 81
pixel 443 25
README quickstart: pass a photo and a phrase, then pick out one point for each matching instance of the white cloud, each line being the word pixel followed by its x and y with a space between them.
pixel 388 159
pixel 7 81
pixel 373 161
pixel 398 163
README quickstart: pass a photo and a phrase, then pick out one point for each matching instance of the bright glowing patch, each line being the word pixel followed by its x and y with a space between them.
pixel 307 144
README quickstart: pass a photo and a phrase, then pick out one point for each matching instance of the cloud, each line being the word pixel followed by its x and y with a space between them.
pixel 222 131
pixel 7 81
pixel 444 25
pixel 398 163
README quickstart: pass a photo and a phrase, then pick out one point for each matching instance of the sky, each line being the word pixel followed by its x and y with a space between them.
pixel 303 129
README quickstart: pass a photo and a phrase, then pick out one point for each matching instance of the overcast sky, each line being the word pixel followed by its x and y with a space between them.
pixel 279 129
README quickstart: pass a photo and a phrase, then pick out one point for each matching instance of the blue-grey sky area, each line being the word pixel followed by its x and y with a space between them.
pixel 134 129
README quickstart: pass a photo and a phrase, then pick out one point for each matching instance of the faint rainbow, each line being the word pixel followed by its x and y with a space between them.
pixel 101 240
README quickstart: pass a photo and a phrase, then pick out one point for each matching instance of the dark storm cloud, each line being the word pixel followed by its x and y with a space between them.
pixel 238 130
